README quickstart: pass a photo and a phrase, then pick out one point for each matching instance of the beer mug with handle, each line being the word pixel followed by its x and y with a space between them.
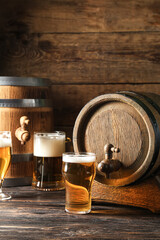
pixel 47 161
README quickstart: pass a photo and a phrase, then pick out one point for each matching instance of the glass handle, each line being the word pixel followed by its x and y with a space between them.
pixel 69 146
pixel 68 140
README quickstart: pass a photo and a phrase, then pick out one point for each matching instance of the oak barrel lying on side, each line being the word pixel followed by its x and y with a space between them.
pixel 129 121
pixel 29 97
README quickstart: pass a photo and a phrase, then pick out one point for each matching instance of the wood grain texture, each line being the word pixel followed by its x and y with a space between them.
pixel 79 16
pixel 20 170
pixel 145 194
pixel 17 92
pixel 41 119
pixel 83 47
pixel 82 58
pixel 68 100
pixel 32 214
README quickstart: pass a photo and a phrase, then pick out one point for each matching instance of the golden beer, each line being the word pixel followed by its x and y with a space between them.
pixel 5 159
pixel 47 169
pixel 79 173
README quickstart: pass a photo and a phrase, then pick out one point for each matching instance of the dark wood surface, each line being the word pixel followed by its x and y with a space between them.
pixel 80 58
pixel 85 47
pixel 32 214
pixel 79 16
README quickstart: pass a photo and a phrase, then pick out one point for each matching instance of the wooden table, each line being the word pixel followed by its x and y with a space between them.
pixel 32 214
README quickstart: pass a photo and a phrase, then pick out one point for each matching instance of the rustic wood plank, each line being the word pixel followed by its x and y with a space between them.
pixel 33 214
pixel 68 100
pixel 144 194
pixel 83 58
pixel 79 16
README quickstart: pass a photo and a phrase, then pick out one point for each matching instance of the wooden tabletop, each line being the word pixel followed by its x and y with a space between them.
pixel 32 214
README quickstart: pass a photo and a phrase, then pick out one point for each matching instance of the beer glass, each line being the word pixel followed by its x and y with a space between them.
pixel 79 172
pixel 5 159
pixel 47 161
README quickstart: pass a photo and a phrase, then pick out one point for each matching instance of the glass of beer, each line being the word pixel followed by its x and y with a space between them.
pixel 5 159
pixel 79 172
pixel 47 161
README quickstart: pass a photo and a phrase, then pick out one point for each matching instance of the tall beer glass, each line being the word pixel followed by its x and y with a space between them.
pixel 79 172
pixel 47 170
pixel 5 159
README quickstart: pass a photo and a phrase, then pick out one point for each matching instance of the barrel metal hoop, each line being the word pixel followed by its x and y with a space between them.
pixel 26 157
pixel 156 106
pixel 15 182
pixel 151 102
pixel 24 81
pixel 155 127
pixel 25 103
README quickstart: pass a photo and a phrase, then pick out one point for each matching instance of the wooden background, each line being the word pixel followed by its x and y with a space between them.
pixel 86 47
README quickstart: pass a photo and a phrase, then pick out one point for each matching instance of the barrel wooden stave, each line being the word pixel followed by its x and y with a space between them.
pixel 27 92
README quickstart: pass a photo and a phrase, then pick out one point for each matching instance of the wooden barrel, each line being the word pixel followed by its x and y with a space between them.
pixel 129 121
pixel 24 88
pixel 24 97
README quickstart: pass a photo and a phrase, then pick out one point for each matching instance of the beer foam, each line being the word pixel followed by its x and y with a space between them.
pixel 52 146
pixel 79 158
pixel 5 142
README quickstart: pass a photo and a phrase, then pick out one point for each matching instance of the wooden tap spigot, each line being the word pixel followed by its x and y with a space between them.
pixel 21 133
pixel 109 164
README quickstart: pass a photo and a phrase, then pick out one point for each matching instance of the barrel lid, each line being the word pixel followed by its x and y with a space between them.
pixel 121 121
pixel 24 81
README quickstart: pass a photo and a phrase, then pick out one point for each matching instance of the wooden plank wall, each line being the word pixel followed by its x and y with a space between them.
pixel 86 47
